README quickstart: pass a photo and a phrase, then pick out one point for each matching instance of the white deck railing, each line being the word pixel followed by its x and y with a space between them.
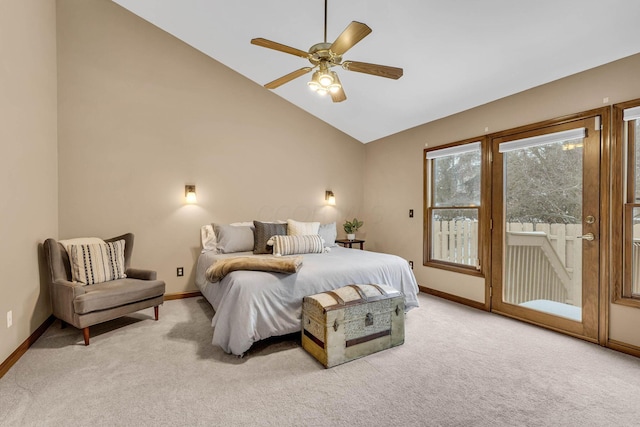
pixel 456 241
pixel 533 270
pixel 563 238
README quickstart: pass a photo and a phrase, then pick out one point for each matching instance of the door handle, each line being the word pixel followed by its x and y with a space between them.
pixel 588 236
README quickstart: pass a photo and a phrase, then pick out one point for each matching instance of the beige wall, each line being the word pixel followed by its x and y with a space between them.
pixel 394 170
pixel 28 164
pixel 141 114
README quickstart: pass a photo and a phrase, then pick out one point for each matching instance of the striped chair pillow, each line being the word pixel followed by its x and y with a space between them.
pixel 289 245
pixel 97 263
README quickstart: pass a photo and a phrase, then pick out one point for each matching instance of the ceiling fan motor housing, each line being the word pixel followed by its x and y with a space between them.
pixel 321 52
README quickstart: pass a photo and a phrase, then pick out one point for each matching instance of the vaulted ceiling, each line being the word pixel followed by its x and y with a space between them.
pixel 456 54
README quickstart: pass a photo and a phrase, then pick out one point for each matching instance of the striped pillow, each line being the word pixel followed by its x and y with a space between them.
pixel 289 245
pixel 97 263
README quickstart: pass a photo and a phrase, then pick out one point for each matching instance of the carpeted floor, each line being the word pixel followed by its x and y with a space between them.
pixel 458 367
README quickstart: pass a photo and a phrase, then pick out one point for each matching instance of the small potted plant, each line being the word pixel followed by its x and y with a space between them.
pixel 350 227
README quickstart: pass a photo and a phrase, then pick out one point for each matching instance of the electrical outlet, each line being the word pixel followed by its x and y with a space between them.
pixel 9 318
pixel 180 271
pixel 411 264
pixel 410 213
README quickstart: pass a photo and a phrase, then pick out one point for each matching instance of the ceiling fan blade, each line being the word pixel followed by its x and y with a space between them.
pixel 285 79
pixel 374 69
pixel 351 35
pixel 339 96
pixel 280 47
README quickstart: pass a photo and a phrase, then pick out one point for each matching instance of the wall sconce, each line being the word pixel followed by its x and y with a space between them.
pixel 330 197
pixel 190 193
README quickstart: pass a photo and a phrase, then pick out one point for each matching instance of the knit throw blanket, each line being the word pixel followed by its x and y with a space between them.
pixel 274 264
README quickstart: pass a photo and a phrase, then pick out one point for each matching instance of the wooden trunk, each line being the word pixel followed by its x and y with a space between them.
pixel 352 322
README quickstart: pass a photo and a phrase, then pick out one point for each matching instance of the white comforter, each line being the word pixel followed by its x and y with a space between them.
pixel 254 305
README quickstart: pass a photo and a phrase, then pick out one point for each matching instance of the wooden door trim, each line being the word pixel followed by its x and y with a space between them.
pixel 605 224
pixel 550 123
pixel 497 205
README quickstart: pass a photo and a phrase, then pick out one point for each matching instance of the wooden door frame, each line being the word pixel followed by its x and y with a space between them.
pixel 604 226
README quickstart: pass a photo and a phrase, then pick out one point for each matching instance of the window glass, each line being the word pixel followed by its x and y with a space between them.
pixel 457 180
pixel 544 184
pixel 635 253
pixel 455 236
pixel 635 130
pixel 633 139
pixel 454 181
pixel 626 161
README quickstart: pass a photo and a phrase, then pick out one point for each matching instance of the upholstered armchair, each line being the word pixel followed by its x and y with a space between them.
pixel 88 284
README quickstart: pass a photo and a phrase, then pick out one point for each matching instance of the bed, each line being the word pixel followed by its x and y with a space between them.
pixel 254 305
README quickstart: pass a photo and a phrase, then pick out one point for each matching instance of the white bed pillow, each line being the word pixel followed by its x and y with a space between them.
pixel 297 228
pixel 329 233
pixel 208 238
pixel 290 245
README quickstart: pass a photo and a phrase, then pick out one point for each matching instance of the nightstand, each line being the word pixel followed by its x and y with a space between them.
pixel 349 243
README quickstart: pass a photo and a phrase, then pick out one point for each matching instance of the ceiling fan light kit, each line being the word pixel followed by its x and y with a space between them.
pixel 325 55
pixel 335 86
pixel 324 81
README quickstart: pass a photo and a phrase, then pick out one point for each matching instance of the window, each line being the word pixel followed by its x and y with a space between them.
pixel 453 182
pixel 627 139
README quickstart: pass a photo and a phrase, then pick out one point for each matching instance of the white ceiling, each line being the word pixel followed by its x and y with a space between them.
pixel 456 54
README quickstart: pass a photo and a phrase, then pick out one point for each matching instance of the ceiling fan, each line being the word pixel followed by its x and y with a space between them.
pixel 324 56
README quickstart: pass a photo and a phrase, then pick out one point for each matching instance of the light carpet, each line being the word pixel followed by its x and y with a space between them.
pixel 458 367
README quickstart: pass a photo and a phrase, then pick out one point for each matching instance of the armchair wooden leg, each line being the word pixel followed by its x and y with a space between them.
pixel 156 311
pixel 85 334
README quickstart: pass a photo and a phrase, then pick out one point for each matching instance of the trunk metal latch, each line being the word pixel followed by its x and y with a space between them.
pixel 368 321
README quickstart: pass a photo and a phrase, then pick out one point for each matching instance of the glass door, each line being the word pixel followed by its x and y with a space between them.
pixel 546 226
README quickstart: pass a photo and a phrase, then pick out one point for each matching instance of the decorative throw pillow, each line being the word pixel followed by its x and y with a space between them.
pixel 328 233
pixel 79 241
pixel 97 262
pixel 234 238
pixel 265 231
pixel 297 228
pixel 289 245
